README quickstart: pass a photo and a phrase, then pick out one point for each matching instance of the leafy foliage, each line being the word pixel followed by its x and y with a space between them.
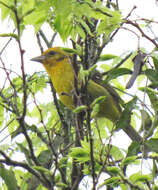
pixel 54 147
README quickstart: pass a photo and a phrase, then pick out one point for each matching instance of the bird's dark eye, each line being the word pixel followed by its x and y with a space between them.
pixel 52 53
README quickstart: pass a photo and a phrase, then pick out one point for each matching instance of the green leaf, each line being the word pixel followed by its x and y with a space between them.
pixel 86 73
pixel 155 60
pixel 101 122
pixel 63 162
pixel 113 170
pixel 113 182
pixel 155 187
pixel 85 26
pixel 83 8
pixel 32 183
pixel 85 145
pixel 152 75
pixel 128 160
pixel 63 7
pixel 124 187
pixel 6 8
pixel 139 177
pixel 126 114
pixel 134 149
pixel 152 144
pixel 63 17
pixel 27 7
pixel 62 185
pixel 44 158
pixel 35 113
pixel 13 125
pixel 154 169
pixel 71 51
pixel 115 152
pixel 42 169
pixel 80 109
pixel 39 15
pixel 17 81
pixel 106 57
pixel 114 73
pixel 80 154
pixel 109 24
pixel 80 31
pixel 146 120
pixel 95 110
pixel 41 187
pixel 98 100
pixel 37 82
pixel 10 35
pixel 9 178
pixel 16 132
pixel 92 68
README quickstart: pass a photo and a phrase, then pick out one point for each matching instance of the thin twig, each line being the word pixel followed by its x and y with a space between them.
pixel 141 31
pixel 91 149
pixel 118 65
pixel 52 39
pixel 44 38
pixel 8 161
pixel 39 42
pixel 22 117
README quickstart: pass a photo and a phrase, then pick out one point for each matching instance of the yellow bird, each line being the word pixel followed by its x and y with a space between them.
pixel 59 67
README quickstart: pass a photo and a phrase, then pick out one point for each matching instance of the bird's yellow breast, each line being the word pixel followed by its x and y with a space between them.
pixel 62 76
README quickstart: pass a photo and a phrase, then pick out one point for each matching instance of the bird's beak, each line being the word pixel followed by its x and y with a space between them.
pixel 39 58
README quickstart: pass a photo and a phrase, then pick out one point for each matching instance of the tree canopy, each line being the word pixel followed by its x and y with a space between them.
pixel 44 145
